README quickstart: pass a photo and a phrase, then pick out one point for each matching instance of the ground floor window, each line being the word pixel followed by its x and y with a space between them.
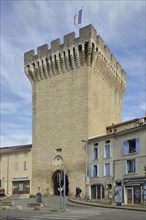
pixel 137 195
pixel 21 187
pixel 134 195
pixel 97 191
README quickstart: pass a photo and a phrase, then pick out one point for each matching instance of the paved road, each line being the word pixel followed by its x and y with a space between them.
pixel 73 212
pixel 76 213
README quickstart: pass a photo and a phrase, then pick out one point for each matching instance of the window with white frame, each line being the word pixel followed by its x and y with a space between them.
pixel 25 154
pixel 95 151
pixel 16 166
pixel 107 149
pixel 130 166
pixel 107 169
pixel 16 155
pixel 131 146
pixel 94 170
pixel 25 165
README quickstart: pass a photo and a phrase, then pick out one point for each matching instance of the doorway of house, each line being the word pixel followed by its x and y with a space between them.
pixel 55 179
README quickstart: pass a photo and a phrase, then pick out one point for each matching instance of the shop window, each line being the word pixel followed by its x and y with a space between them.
pixel 137 195
pixel 107 169
pixel 131 146
pixel 130 166
pixel 94 170
pixel 21 187
pixel 95 152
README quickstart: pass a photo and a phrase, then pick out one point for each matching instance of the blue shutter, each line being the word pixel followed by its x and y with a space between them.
pixel 97 153
pixel 125 147
pixel 134 165
pixel 137 145
pixel 93 154
pixel 108 169
pixel 126 167
pixel 136 168
pixel 92 171
pixel 108 151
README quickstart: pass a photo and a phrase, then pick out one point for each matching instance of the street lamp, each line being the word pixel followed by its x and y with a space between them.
pixel 86 177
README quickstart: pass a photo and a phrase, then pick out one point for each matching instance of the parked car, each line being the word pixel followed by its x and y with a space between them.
pixel 2 192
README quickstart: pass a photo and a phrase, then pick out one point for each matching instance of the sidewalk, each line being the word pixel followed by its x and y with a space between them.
pixel 50 203
pixel 106 204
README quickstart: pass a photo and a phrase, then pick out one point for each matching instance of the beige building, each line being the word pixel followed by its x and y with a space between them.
pixel 16 169
pixel 77 89
pixel 118 159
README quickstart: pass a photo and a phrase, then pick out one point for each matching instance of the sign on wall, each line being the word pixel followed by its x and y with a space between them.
pixel 144 191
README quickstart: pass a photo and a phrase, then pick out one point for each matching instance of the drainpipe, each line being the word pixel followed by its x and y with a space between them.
pixel 7 173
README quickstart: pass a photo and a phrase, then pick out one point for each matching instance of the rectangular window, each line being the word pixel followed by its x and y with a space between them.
pixel 107 150
pixel 95 152
pixel 16 155
pixel 107 169
pixel 25 154
pixel 130 166
pixel 94 170
pixel 25 165
pixel 131 146
pixel 16 166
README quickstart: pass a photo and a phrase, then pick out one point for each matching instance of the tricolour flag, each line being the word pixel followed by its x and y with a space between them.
pixel 78 17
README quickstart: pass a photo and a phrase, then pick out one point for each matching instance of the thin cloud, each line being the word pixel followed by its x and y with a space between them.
pixel 8 141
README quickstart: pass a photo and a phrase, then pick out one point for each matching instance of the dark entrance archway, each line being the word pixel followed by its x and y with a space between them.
pixel 56 182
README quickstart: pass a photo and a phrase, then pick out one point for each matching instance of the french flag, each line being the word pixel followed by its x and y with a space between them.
pixel 78 17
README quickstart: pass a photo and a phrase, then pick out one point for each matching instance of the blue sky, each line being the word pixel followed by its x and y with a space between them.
pixel 27 24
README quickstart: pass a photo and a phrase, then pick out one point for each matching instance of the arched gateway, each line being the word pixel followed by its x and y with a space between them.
pixel 55 179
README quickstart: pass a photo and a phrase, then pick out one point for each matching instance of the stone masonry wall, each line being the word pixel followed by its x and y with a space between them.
pixel 76 92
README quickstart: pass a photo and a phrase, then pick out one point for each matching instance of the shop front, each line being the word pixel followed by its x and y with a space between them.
pixel 21 185
pixel 133 190
pixel 97 191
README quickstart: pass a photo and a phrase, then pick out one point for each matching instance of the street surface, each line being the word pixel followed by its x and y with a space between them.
pixel 73 212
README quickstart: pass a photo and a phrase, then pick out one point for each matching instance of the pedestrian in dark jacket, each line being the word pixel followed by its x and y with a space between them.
pixel 78 192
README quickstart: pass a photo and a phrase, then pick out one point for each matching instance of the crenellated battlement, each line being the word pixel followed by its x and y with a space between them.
pixel 86 50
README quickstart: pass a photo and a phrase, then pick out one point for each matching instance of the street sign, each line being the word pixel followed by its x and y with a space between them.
pixel 60 189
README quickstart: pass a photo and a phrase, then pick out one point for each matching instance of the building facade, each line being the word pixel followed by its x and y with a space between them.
pixel 16 169
pixel 118 158
pixel 77 89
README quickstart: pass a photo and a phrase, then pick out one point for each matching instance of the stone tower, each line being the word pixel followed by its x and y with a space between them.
pixel 77 89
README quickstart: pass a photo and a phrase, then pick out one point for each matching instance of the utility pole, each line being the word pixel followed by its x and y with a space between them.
pixel 7 173
pixel 64 194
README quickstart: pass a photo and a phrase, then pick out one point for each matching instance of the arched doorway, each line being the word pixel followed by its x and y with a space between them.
pixel 55 179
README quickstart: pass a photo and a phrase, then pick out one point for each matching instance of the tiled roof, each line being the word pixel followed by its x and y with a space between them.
pixel 15 148
pixel 126 130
